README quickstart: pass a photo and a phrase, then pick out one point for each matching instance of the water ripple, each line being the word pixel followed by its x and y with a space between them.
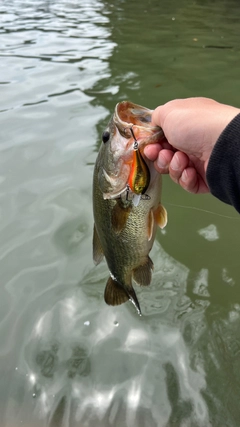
pixel 66 358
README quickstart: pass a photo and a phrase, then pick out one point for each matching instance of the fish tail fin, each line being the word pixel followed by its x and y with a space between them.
pixel 116 294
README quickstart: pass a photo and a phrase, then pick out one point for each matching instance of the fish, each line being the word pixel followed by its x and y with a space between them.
pixel 127 205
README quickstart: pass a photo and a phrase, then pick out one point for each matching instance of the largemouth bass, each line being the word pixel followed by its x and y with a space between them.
pixel 126 202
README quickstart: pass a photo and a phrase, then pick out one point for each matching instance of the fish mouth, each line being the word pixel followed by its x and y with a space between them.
pixel 127 115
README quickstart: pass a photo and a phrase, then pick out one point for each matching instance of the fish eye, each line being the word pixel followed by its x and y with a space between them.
pixel 105 136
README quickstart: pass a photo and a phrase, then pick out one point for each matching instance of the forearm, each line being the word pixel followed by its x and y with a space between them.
pixel 223 171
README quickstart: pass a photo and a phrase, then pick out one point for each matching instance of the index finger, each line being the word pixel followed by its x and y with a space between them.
pixel 151 151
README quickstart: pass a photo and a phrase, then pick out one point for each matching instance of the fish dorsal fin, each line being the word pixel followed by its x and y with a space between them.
pixel 119 217
pixel 116 294
pixel 97 248
pixel 160 216
pixel 143 273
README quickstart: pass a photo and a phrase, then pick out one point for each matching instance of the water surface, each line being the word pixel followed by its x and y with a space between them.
pixel 67 359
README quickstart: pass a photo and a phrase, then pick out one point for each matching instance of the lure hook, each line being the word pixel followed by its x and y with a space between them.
pixel 135 144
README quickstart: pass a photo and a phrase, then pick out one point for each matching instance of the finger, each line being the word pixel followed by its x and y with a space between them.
pixel 151 150
pixel 158 116
pixel 191 181
pixel 163 160
pixel 179 162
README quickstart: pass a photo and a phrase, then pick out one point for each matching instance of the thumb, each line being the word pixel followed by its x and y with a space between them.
pixel 158 116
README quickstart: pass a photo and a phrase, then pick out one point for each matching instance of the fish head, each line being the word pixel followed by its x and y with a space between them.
pixel 129 125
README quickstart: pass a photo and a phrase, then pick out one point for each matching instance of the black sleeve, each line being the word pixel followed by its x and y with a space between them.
pixel 223 171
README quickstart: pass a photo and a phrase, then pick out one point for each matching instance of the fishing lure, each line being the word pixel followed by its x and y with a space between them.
pixel 139 178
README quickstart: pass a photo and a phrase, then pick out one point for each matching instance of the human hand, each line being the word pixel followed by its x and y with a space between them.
pixel 191 127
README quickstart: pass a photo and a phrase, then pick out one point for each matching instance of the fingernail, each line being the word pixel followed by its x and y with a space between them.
pixel 175 164
pixel 161 164
pixel 184 176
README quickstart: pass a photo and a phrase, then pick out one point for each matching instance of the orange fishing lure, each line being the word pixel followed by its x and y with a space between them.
pixel 139 178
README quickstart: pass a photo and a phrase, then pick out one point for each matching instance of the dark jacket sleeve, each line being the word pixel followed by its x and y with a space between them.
pixel 223 171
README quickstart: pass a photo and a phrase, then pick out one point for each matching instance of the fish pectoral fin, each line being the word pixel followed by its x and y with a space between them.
pixel 97 248
pixel 116 294
pixel 119 217
pixel 142 274
pixel 150 224
pixel 160 216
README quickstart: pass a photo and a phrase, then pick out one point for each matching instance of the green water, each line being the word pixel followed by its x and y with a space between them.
pixel 66 358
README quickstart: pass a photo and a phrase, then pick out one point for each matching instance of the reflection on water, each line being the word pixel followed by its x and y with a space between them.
pixel 67 359
pixel 83 362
